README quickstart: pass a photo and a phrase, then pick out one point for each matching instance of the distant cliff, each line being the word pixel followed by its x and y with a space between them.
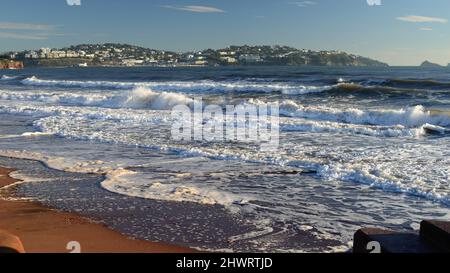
pixel 8 64
pixel 428 64
pixel 62 62
pixel 324 59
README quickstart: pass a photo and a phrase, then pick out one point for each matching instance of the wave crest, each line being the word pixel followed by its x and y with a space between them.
pixel 411 116
pixel 186 86
pixel 138 98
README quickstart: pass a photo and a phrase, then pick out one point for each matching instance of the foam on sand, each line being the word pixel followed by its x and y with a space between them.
pixel 27 134
pixel 127 182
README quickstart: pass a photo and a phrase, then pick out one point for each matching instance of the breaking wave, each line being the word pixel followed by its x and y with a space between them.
pixel 185 86
pixel 138 98
pixel 394 86
pixel 377 131
pixel 410 117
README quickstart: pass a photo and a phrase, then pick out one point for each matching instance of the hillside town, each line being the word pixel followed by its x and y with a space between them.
pixel 128 55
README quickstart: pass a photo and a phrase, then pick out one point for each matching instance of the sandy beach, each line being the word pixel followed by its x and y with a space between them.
pixel 43 230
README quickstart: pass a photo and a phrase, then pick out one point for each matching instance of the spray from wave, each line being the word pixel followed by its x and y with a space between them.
pixel 148 99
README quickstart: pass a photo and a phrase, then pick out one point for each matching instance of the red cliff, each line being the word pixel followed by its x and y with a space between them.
pixel 8 64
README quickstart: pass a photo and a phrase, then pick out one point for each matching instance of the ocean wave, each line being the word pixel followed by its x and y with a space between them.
pixel 404 87
pixel 34 81
pixel 410 116
pixel 350 129
pixel 369 89
pixel 416 83
pixel 340 86
pixel 148 99
pixel 138 98
pixel 186 86
pixel 408 122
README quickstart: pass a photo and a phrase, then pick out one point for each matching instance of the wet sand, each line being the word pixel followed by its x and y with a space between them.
pixel 44 230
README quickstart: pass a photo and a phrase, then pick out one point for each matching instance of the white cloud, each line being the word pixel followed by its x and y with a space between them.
pixel 304 4
pixel 426 28
pixel 9 35
pixel 27 31
pixel 197 9
pixel 24 26
pixel 422 19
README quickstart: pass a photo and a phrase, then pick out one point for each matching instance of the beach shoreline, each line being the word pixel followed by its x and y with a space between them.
pixel 45 230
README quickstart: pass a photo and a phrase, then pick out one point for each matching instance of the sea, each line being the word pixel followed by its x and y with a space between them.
pixel 358 147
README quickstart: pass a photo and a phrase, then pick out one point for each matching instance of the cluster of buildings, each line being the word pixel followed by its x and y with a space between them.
pixel 47 53
pixel 218 57
pixel 128 55
pixel 106 54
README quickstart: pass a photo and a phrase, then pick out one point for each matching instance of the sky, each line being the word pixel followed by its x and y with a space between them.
pixel 399 32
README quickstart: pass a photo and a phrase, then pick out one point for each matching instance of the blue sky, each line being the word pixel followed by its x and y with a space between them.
pixel 400 32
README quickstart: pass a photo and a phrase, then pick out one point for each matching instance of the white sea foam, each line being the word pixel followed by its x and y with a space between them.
pixel 51 161
pixel 352 129
pixel 26 134
pixel 127 182
pixel 412 169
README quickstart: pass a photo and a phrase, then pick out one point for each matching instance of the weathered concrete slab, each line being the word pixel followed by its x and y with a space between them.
pixel 434 237
pixel 389 242
pixel 436 233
